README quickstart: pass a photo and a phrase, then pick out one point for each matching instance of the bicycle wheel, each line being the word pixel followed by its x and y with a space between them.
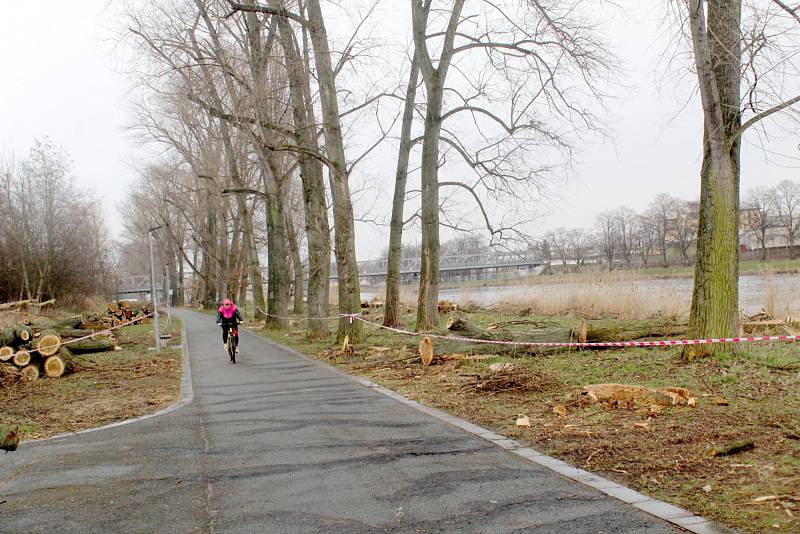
pixel 232 350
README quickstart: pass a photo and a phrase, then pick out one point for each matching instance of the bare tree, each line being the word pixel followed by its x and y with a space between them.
pixel 392 304
pixel 624 221
pixel 52 239
pixel 757 217
pixel 607 233
pixel 785 201
pixel 579 244
pixel 547 60
pixel 684 228
pixel 660 215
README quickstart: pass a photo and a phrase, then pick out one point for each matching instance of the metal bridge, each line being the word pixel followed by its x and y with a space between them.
pixel 453 267
pixel 472 264
pixel 132 287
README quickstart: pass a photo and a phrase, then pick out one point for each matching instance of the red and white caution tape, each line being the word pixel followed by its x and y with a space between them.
pixel 598 344
pixel 336 317
pixel 93 334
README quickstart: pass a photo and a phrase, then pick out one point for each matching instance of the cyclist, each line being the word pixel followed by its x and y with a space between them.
pixel 228 317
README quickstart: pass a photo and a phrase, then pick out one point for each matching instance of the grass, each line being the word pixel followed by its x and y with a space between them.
pixel 106 387
pixel 665 455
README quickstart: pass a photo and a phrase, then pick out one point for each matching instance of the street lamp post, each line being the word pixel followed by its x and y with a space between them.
pixel 167 291
pixel 153 292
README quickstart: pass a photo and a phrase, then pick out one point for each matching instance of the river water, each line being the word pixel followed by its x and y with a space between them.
pixel 779 294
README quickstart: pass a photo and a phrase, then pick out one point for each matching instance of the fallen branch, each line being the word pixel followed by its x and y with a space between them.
pixel 734 447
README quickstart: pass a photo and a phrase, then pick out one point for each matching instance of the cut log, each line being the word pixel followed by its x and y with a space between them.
pixel 9 437
pixel 23 333
pixel 40 305
pixel 91 345
pixel 48 343
pixel 461 327
pixel 733 448
pixel 30 372
pixel 5 353
pixel 618 330
pixel 72 332
pixel 70 322
pixel 628 394
pixel 55 366
pixel 22 358
pixel 572 331
pixel 17 304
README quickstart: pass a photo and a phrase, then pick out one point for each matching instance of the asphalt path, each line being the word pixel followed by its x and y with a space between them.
pixel 279 443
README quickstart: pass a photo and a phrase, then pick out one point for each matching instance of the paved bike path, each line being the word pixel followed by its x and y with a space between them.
pixel 278 443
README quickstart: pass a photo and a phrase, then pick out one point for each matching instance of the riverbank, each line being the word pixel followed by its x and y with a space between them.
pixel 664 451
pixel 623 294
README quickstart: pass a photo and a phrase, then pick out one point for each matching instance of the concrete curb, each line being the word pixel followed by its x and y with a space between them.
pixel 185 397
pixel 672 514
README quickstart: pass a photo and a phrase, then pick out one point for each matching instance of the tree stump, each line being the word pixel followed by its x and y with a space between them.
pixel 426 351
pixel 5 353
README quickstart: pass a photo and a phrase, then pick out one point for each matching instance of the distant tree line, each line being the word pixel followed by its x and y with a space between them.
pixel 52 237
pixel 665 233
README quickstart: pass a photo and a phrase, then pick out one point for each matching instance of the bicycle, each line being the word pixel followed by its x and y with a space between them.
pixel 230 344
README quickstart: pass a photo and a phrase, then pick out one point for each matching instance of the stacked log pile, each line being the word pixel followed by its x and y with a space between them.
pixel 38 346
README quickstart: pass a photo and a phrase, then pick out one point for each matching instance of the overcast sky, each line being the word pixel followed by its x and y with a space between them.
pixel 59 79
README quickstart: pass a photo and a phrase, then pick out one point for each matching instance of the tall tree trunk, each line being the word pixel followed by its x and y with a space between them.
pixel 297 261
pixel 231 158
pixel 207 245
pixel 278 284
pixel 434 78
pixel 278 300
pixel 428 296
pixel 344 231
pixel 316 211
pixel 391 316
pixel 234 257
pixel 717 49
pixel 180 298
